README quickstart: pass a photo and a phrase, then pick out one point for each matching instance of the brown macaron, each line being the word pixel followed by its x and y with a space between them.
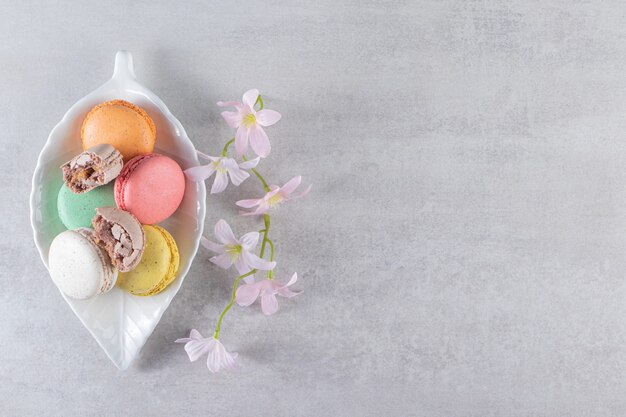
pixel 121 235
pixel 92 168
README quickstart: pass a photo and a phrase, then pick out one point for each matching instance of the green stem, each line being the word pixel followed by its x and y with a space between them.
pixel 225 150
pixel 270 273
pixel 259 101
pixel 266 220
pixel 216 334
pixel 265 186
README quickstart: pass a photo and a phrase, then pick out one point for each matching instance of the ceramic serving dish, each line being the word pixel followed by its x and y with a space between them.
pixel 121 323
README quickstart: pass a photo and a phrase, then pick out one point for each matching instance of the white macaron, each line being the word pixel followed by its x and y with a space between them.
pixel 78 266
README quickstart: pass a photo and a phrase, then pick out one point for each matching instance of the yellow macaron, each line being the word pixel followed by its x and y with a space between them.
pixel 158 266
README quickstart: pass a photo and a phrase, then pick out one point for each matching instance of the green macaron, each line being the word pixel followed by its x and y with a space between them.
pixel 77 210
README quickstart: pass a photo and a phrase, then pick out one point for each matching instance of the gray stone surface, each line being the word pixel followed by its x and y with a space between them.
pixel 462 252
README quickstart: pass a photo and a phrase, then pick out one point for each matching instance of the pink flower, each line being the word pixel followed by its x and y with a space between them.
pixel 249 123
pixel 218 358
pixel 267 290
pixel 223 168
pixel 273 198
pixel 235 251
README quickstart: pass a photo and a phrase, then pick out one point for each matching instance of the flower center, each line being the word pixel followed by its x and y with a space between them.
pixel 233 251
pixel 219 167
pixel 275 200
pixel 249 120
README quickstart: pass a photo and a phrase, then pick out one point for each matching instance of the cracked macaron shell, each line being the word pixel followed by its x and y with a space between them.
pixel 92 168
pixel 129 227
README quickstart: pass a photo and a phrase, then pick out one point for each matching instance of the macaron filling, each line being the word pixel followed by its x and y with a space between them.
pixel 121 235
pixel 92 168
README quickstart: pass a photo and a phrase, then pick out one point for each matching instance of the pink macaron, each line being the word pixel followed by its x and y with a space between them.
pixel 151 187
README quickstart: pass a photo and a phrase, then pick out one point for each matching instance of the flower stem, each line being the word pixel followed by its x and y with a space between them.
pixel 266 240
pixel 259 101
pixel 265 186
pixel 216 334
pixel 270 273
pixel 225 150
pixel 266 220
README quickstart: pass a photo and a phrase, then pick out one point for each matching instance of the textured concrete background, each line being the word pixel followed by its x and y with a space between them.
pixel 462 253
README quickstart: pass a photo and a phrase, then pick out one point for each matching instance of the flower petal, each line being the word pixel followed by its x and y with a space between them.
pixel 259 141
pixel 283 291
pixel 287 293
pixel 224 233
pixel 261 209
pixel 249 203
pixel 292 280
pixel 267 117
pixel 250 164
pixel 250 97
pixel 233 118
pixel 228 362
pixel 255 262
pixel 237 176
pixel 269 304
pixel 203 155
pixel 199 173
pixel 220 183
pixel 224 260
pixel 290 186
pixel 214 360
pixel 246 294
pixel 299 195
pixel 195 335
pixel 236 104
pixel 197 348
pixel 242 266
pixel 241 140
pixel 212 246
pixel 249 240
pixel 219 358
pixel 249 279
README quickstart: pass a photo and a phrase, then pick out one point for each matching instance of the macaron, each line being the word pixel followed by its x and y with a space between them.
pixel 121 124
pixel 78 266
pixel 77 210
pixel 92 168
pixel 121 235
pixel 151 187
pixel 158 267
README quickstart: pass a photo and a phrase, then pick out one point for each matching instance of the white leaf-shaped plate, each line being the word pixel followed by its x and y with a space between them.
pixel 120 322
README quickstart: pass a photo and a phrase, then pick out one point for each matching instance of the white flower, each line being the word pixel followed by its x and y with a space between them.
pixel 235 251
pixel 223 168
pixel 218 358
pixel 273 198
pixel 267 290
pixel 249 123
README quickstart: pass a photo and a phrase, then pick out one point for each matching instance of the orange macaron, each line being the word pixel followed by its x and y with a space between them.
pixel 121 124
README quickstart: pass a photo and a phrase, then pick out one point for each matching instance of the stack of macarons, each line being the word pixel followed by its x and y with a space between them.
pixel 114 194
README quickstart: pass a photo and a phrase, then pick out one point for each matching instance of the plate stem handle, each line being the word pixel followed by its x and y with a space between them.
pixel 124 68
